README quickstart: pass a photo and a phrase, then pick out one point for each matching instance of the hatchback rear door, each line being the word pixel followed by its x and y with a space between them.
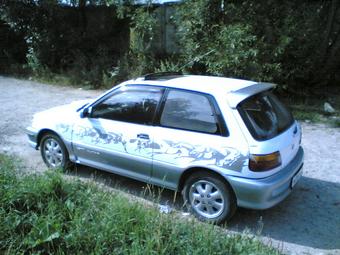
pixel 271 126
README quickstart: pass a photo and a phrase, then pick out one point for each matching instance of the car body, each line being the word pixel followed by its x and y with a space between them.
pixel 222 142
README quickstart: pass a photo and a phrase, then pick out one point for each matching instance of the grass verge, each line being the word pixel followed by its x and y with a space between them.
pixel 46 214
pixel 315 115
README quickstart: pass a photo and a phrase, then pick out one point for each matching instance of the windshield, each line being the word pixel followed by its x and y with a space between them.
pixel 265 116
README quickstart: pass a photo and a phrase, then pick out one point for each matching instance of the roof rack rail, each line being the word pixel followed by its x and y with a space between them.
pixel 162 76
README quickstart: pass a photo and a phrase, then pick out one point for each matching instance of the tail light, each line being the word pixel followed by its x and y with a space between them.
pixel 264 162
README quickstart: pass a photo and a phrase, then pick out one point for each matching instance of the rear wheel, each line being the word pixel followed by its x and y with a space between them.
pixel 54 152
pixel 209 198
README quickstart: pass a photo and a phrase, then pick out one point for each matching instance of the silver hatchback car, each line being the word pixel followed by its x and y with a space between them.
pixel 222 142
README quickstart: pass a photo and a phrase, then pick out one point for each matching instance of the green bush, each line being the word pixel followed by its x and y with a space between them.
pixel 280 42
pixel 291 43
pixel 228 41
pixel 80 43
pixel 46 214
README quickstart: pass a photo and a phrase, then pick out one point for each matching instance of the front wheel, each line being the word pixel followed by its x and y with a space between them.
pixel 54 152
pixel 209 198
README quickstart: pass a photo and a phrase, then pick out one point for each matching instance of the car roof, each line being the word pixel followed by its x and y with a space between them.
pixel 236 90
pixel 200 83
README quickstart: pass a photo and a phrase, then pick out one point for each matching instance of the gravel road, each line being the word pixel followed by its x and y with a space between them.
pixel 307 222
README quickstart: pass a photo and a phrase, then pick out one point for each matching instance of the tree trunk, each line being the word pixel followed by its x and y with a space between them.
pixel 83 19
pixel 329 52
pixel 328 33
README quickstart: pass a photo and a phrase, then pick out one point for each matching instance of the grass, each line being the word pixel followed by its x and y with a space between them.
pixel 46 214
pixel 61 79
pixel 71 79
pixel 315 115
pixel 336 122
pixel 310 108
pixel 307 114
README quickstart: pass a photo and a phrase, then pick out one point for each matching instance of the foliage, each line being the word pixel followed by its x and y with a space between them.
pixel 141 39
pixel 84 43
pixel 169 65
pixel 141 57
pixel 304 113
pixel 292 43
pixel 11 58
pixel 261 40
pixel 45 214
pixel 336 122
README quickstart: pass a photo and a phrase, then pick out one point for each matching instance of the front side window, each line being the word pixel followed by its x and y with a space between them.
pixel 134 104
pixel 265 116
pixel 189 111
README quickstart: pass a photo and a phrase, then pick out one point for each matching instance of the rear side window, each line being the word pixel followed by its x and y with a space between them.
pixel 189 111
pixel 265 116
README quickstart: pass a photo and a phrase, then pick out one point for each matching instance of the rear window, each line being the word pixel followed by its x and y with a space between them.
pixel 265 116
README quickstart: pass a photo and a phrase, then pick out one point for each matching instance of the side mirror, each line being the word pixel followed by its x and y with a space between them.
pixel 86 112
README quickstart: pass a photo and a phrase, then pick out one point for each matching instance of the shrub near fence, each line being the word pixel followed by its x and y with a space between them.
pixel 295 44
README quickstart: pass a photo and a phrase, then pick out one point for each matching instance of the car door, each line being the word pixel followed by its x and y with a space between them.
pixel 191 133
pixel 117 134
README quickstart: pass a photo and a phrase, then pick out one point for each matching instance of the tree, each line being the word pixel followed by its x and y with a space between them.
pixel 329 52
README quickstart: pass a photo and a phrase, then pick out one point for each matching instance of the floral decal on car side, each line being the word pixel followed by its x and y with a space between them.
pixel 225 157
pixel 98 137
pixel 164 150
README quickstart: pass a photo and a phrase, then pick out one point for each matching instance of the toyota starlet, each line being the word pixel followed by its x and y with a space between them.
pixel 223 143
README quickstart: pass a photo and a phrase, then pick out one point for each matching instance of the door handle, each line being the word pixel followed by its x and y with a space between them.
pixel 143 136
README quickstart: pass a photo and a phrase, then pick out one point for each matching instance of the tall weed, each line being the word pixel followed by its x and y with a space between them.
pixel 46 214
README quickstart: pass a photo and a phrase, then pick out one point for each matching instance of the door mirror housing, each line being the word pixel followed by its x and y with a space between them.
pixel 86 112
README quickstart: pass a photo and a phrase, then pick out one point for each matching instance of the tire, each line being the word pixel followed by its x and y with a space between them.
pixel 209 198
pixel 54 152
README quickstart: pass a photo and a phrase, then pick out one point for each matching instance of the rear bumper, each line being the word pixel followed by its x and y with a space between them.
pixel 267 192
pixel 32 137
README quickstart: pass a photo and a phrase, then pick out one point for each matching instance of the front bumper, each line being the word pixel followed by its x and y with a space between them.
pixel 32 137
pixel 267 192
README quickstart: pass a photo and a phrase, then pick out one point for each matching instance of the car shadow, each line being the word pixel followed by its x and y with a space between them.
pixel 310 216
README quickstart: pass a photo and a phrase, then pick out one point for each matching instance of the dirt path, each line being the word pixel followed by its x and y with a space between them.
pixel 307 222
